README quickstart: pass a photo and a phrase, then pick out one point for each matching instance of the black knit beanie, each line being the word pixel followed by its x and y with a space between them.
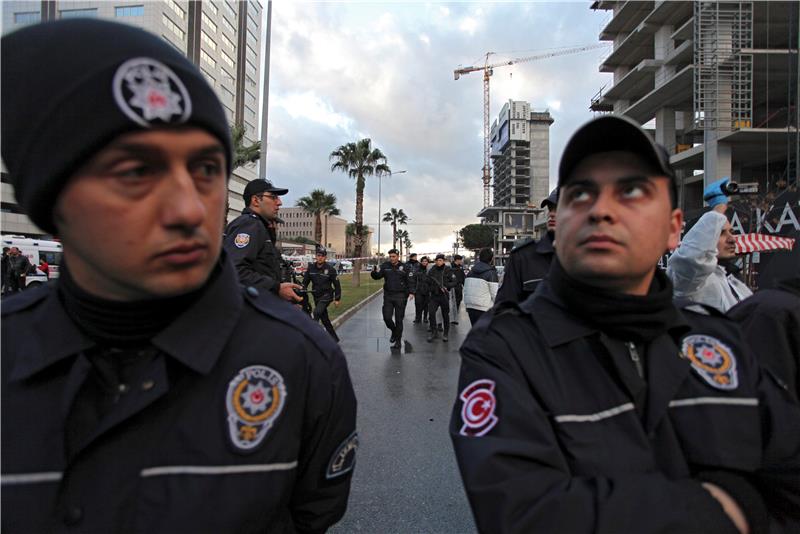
pixel 72 86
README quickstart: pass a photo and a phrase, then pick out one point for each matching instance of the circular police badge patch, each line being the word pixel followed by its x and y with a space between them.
pixel 477 413
pixel 241 240
pixel 712 360
pixel 147 91
pixel 255 399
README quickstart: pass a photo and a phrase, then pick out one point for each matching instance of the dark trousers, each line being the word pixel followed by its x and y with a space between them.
pixel 321 315
pixel 394 307
pixel 443 302
pixel 421 305
pixel 459 289
pixel 474 315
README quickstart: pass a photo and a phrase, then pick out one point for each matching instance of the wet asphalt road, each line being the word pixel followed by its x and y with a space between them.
pixel 406 479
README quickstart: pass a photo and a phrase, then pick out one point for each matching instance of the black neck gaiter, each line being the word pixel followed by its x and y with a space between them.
pixel 626 317
pixel 118 324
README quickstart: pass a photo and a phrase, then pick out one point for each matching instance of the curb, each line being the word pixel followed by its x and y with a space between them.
pixel 349 313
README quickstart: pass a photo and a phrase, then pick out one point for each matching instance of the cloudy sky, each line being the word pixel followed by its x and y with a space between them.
pixel 341 71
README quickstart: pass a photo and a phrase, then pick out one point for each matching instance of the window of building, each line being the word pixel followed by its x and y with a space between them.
pixel 250 68
pixel 207 22
pixel 253 16
pixel 252 52
pixel 27 17
pixel 173 5
pixel 227 41
pixel 229 111
pixel 228 77
pixel 228 26
pixel 208 76
pixel 249 112
pixel 250 127
pixel 210 7
pixel 171 26
pixel 227 92
pixel 208 40
pixel 208 59
pixel 250 81
pixel 169 39
pixel 227 60
pixel 230 7
pixel 129 11
pixel 249 98
pixel 78 13
pixel 254 7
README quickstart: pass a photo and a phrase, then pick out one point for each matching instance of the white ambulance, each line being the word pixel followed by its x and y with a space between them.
pixel 36 249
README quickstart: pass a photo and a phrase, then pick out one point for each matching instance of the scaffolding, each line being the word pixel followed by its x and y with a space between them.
pixel 723 73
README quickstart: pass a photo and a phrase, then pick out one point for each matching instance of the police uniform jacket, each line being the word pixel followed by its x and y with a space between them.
pixel 458 274
pixel 555 431
pixel 251 246
pixel 527 266
pixel 325 282
pixel 414 270
pixel 242 421
pixel 440 278
pixel 396 279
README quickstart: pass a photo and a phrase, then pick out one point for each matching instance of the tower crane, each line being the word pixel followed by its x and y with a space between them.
pixel 488 70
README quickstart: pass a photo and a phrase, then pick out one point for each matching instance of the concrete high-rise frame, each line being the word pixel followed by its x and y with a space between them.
pixel 716 81
pixel 223 38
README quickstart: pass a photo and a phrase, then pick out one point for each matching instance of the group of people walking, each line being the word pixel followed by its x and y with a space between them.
pixel 435 288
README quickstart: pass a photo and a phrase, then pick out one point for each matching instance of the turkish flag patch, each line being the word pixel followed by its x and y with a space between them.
pixel 477 413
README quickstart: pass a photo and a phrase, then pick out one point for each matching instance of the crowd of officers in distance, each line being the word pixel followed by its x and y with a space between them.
pixel 164 384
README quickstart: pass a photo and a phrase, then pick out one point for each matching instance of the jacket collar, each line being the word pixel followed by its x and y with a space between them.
pixel 556 324
pixel 545 245
pixel 211 321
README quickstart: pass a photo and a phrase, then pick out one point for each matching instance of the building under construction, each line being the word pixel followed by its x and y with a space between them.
pixel 718 82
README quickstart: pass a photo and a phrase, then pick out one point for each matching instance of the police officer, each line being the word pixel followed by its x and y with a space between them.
pixel 421 292
pixel 326 288
pixel 396 292
pixel 529 261
pixel 597 405
pixel 440 281
pixel 457 294
pixel 146 390
pixel 251 240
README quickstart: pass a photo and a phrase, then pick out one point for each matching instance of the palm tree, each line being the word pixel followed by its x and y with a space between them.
pixel 407 241
pixel 318 203
pixel 243 155
pixel 395 216
pixel 359 160
pixel 403 239
pixel 350 230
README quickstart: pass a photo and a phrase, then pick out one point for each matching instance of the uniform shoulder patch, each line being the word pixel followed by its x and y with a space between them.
pixel 241 240
pixel 344 459
pixel 255 398
pixel 712 360
pixel 477 412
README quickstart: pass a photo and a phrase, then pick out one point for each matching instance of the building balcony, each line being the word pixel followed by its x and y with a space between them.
pixel 625 19
pixel 637 83
pixel 669 13
pixel 675 93
pixel 638 45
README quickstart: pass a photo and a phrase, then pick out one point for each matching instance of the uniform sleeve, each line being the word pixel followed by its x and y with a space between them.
pixel 511 288
pixel 518 480
pixel 696 257
pixel 337 286
pixel 307 277
pixel 377 275
pixel 449 278
pixel 329 444
pixel 242 241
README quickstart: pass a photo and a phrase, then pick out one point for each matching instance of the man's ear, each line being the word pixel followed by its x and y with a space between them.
pixel 675 227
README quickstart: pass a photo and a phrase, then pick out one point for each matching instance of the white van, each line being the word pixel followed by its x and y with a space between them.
pixel 36 249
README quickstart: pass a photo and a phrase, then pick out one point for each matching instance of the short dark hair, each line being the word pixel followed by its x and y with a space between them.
pixel 393 251
pixel 413 255
pixel 485 255
pixel 458 257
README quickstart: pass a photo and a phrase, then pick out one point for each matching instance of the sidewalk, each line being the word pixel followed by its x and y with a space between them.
pixel 406 477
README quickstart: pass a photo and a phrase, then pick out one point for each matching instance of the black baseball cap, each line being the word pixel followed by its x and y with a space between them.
pixel 552 199
pixel 258 186
pixel 611 133
pixel 322 251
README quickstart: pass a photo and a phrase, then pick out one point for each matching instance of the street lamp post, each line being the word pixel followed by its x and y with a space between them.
pixel 380 215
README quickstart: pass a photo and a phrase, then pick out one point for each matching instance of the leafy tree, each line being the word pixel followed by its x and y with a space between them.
pixel 396 217
pixel 301 239
pixel 243 155
pixel 318 203
pixel 477 236
pixel 350 230
pixel 359 160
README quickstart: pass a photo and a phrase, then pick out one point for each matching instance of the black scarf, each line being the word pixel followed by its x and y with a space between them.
pixel 626 317
pixel 117 324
